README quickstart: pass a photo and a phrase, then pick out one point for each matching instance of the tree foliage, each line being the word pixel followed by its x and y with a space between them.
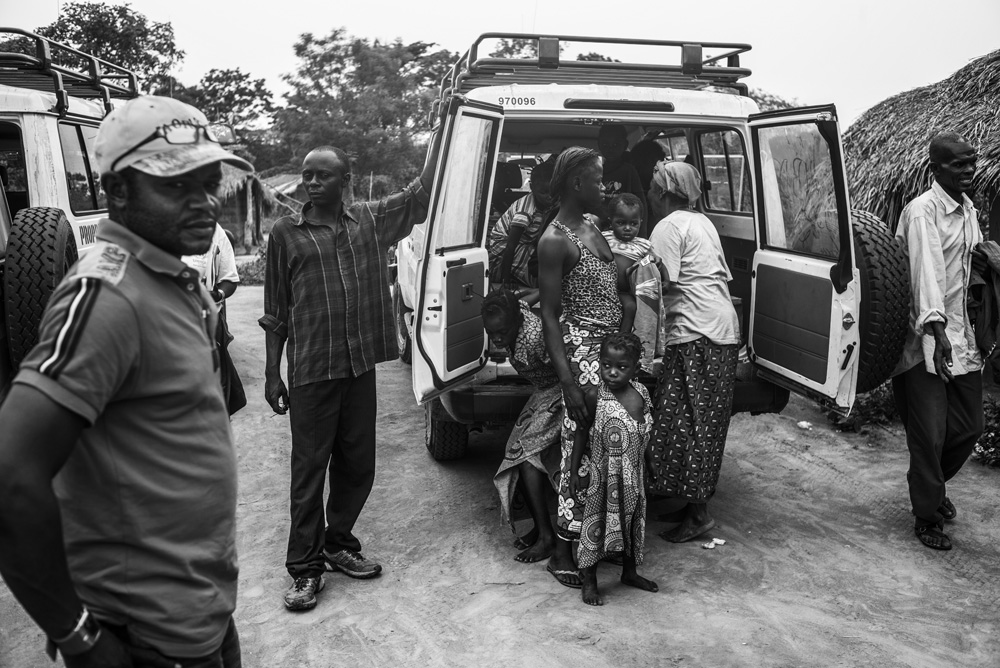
pixel 593 56
pixel 769 101
pixel 120 35
pixel 370 98
pixel 515 48
pixel 232 96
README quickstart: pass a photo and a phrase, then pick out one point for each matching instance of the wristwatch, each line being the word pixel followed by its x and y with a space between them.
pixel 81 639
pixel 217 295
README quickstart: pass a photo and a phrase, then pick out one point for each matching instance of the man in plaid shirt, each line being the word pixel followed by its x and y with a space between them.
pixel 326 298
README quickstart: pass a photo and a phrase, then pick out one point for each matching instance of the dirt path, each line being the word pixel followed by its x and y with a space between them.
pixel 820 567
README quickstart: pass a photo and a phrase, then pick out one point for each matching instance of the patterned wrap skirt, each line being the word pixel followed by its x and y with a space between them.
pixel 692 407
pixel 582 340
pixel 535 440
pixel 614 520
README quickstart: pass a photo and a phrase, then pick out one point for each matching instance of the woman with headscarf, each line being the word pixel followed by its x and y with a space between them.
pixel 694 395
pixel 584 295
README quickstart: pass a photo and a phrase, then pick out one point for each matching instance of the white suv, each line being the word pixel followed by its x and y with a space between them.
pixel 822 289
pixel 51 103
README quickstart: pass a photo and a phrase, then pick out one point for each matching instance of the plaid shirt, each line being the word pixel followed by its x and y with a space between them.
pixel 326 287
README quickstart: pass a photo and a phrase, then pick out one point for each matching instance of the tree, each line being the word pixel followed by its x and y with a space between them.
pixel 769 101
pixel 518 47
pixel 593 56
pixel 367 97
pixel 515 48
pixel 232 96
pixel 117 34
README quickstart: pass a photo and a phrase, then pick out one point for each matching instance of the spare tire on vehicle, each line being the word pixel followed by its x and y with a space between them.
pixel 40 249
pixel 885 299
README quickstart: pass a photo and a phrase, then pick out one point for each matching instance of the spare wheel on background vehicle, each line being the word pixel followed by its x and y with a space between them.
pixel 885 299
pixel 40 250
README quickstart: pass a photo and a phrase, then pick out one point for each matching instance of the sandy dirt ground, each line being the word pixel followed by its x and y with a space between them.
pixel 820 567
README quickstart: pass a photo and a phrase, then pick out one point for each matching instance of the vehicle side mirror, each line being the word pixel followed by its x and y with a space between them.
pixel 224 133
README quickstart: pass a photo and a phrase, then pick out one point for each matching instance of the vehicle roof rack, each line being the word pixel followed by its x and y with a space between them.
pixel 46 70
pixel 694 70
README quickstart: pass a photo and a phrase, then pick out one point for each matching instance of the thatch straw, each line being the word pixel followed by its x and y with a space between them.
pixel 886 147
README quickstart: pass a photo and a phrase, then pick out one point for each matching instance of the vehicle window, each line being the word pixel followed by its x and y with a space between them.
pixel 800 203
pixel 79 179
pixel 726 173
pixel 13 172
pixel 463 189
pixel 89 134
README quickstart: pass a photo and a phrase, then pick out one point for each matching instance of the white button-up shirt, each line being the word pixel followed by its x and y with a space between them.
pixel 937 235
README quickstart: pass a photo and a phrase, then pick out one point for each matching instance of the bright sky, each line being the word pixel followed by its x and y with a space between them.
pixel 853 53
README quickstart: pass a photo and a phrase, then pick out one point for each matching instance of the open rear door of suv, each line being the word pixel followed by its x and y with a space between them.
pixel 450 343
pixel 806 291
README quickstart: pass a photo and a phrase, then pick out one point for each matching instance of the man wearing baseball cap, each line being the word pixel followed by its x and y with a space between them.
pixel 117 466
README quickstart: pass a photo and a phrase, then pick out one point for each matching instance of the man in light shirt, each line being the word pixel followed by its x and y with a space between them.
pixel 938 383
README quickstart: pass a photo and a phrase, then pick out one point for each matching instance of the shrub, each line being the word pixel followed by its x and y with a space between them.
pixel 987 451
pixel 877 407
pixel 252 272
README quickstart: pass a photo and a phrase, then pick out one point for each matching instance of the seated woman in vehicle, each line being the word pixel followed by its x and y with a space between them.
pixel 511 243
pixel 647 275
pixel 694 397
pixel 532 455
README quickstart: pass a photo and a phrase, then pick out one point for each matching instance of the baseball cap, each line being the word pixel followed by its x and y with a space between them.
pixel 159 136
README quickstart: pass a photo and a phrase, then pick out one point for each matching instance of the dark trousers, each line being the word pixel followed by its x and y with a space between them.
pixel 943 421
pixel 333 432
pixel 144 656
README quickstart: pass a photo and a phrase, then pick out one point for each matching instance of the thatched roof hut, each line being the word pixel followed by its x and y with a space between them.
pixel 886 148
pixel 247 201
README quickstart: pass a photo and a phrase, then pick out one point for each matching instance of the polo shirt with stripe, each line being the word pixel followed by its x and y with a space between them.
pixel 148 495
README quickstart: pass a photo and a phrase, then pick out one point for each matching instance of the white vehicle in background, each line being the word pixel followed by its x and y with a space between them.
pixel 821 289
pixel 52 99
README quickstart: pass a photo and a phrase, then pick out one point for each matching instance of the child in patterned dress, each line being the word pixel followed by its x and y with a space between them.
pixel 614 519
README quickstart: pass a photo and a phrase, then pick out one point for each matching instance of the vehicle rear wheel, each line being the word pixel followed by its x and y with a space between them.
pixel 399 310
pixel 885 300
pixel 40 250
pixel 445 440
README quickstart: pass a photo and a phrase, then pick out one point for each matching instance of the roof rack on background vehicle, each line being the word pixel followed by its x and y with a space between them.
pixel 64 71
pixel 694 69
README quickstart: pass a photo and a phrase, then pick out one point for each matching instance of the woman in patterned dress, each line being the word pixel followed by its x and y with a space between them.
pixel 532 455
pixel 582 297
pixel 614 518
pixel 694 396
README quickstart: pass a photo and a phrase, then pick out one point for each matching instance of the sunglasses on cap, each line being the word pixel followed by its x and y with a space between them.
pixel 175 134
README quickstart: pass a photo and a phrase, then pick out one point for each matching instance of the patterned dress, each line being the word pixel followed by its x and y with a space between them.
pixel 536 435
pixel 590 310
pixel 614 520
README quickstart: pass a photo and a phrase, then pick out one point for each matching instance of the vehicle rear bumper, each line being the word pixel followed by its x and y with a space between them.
pixel 502 402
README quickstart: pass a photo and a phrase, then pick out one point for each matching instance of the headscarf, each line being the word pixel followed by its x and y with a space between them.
pixel 679 179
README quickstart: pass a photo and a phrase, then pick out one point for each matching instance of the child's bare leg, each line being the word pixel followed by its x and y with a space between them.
pixel 630 577
pixel 534 484
pixel 589 592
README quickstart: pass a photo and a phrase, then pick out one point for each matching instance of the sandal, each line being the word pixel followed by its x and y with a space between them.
pixel 933 537
pixel 564 577
pixel 947 509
